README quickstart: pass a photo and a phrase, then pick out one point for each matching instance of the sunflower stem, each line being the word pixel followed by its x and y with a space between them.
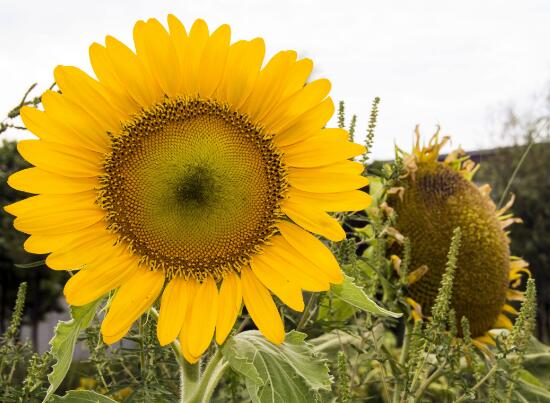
pixel 190 374
pixel 189 381
pixel 209 379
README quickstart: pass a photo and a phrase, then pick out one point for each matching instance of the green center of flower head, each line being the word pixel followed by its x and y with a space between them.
pixel 437 199
pixel 193 188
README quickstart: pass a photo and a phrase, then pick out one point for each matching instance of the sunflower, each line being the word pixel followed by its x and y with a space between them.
pixel 187 169
pixel 437 197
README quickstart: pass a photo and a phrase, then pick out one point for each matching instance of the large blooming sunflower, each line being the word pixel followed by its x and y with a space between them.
pixel 439 196
pixel 188 169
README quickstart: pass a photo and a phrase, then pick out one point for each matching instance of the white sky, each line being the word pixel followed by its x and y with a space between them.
pixel 455 63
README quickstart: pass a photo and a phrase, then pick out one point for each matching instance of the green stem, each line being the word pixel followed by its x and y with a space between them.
pixel 189 381
pixel 514 174
pixel 402 360
pixel 305 315
pixel 175 345
pixel 477 385
pixel 436 374
pixel 210 379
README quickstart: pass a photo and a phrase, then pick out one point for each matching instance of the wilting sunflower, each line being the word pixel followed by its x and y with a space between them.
pixel 188 169
pixel 437 197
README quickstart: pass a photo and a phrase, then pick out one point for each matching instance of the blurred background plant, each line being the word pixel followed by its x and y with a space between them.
pixel 355 349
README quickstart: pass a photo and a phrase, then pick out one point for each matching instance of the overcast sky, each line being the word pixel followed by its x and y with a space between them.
pixel 454 63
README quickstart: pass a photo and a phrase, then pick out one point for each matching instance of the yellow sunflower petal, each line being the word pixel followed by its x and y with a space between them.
pixel 510 309
pixel 503 322
pixel 297 77
pixel 289 293
pixel 173 307
pixel 202 318
pixel 198 37
pixel 98 279
pixel 192 288
pixel 41 124
pixel 155 47
pixel 314 220
pixel 115 337
pixel 338 177
pixel 190 358
pixel 132 73
pixel 309 246
pixel 320 150
pixel 84 248
pixel 107 77
pixel 285 114
pixel 354 200
pixel 514 295
pixel 213 60
pixel 132 299
pixel 88 93
pixel 41 244
pixel 269 85
pixel 485 340
pixel 326 272
pixel 46 204
pixel 62 160
pixel 230 300
pixel 36 180
pixel 179 37
pixel 309 125
pixel 294 268
pixel 261 307
pixel 72 124
pixel 70 221
pixel 244 61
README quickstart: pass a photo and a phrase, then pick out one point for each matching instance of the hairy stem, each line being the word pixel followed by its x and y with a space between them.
pixel 189 381
pixel 477 385
pixel 210 379
pixel 436 374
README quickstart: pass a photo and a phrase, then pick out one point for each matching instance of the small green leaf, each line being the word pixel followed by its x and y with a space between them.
pixel 289 372
pixel 31 265
pixel 354 295
pixel 81 396
pixel 64 340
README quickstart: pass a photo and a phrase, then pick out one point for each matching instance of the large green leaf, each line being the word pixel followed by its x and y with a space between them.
pixel 354 295
pixel 64 340
pixel 290 372
pixel 81 396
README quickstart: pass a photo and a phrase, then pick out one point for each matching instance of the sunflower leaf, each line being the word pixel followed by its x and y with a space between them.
pixel 81 396
pixel 64 341
pixel 290 372
pixel 354 295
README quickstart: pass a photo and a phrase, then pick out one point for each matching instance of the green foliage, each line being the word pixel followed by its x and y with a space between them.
pixel 349 347
pixel 441 307
pixel 373 118
pixel 291 372
pixel 342 386
pixel 22 372
pixel 81 396
pixel 355 296
pixel 64 341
